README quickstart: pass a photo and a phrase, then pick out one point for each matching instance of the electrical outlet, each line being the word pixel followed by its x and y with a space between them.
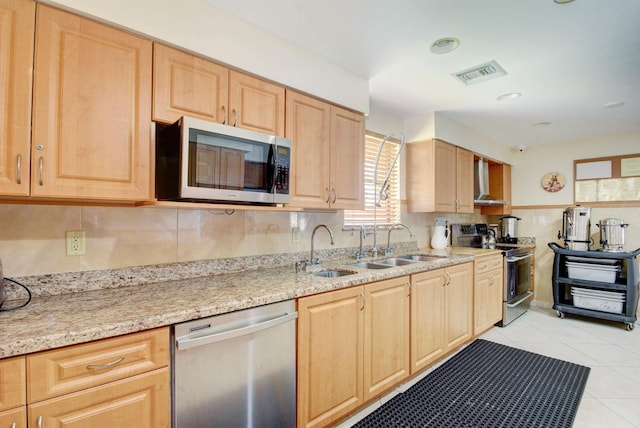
pixel 75 243
pixel 295 235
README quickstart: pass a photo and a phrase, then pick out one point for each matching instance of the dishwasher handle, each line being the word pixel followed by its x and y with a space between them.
pixel 185 342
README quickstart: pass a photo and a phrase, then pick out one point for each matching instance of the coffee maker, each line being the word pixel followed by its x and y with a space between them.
pixel 576 228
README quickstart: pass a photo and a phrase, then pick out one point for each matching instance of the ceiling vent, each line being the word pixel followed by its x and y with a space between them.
pixel 480 73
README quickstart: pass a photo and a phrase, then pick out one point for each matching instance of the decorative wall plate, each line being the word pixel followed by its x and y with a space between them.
pixel 553 182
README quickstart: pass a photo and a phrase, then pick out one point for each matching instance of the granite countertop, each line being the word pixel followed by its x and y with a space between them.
pixel 52 321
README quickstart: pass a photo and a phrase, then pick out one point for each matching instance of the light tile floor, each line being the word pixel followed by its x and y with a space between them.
pixel 612 395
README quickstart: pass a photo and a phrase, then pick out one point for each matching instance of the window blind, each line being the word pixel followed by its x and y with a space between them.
pixel 389 210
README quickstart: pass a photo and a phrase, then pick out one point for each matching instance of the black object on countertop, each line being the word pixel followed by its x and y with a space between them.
pixel 488 385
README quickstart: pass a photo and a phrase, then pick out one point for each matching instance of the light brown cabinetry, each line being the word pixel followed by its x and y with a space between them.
pixel 328 154
pixel 487 293
pixel 352 346
pixel 187 85
pixel 123 381
pixel 16 65
pixel 91 111
pixel 441 313
pixel 499 188
pixel 439 177
pixel 13 392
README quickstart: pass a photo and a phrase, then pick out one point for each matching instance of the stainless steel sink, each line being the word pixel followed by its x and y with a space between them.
pixel 421 257
pixel 396 261
pixel 333 273
pixel 370 265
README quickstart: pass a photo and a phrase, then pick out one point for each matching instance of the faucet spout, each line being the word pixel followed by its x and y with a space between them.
pixel 313 260
pixel 389 249
pixel 363 234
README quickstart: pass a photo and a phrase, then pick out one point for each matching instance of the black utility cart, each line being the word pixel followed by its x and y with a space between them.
pixel 596 284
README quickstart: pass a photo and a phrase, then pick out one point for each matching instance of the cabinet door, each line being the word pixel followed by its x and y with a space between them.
pixel 16 65
pixel 459 304
pixel 464 181
pixel 427 318
pixel 308 128
pixel 255 104
pixel 487 307
pixel 14 418
pixel 92 110
pixel 13 390
pixel 386 335
pixel 445 187
pixel 186 85
pixel 137 402
pixel 330 332
pixel 347 159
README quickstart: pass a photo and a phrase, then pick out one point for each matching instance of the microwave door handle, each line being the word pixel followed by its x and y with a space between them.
pixel 274 166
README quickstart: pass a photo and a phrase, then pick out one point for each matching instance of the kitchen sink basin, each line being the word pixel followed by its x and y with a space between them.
pixel 396 261
pixel 370 265
pixel 333 273
pixel 421 257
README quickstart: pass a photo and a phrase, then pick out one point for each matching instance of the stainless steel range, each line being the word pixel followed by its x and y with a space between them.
pixel 517 295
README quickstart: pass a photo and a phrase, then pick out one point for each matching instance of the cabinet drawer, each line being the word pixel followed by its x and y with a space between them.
pixel 17 416
pixel 485 264
pixel 65 370
pixel 141 401
pixel 12 383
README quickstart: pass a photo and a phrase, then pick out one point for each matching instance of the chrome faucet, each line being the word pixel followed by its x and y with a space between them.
pixel 361 254
pixel 307 265
pixel 389 249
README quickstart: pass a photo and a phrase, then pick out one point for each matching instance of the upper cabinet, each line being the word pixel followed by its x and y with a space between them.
pixel 328 154
pixel 439 178
pixel 16 65
pixel 92 110
pixel 187 85
pixel 500 188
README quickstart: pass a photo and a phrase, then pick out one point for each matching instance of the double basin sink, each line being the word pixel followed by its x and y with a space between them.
pixel 379 264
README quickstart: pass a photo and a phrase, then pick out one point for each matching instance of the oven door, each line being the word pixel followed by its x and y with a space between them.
pixel 517 276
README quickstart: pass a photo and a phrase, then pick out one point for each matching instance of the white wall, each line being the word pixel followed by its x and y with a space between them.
pixel 529 166
pixel 200 27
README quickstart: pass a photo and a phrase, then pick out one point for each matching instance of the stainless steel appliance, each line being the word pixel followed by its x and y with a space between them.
pixel 481 185
pixel 517 294
pixel 612 234
pixel 576 228
pixel 236 369
pixel 509 229
pixel 197 160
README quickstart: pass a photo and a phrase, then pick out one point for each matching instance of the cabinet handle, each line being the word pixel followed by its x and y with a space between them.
pixel 409 285
pixel 491 280
pixel 235 117
pixel 335 195
pixel 363 301
pixel 39 421
pixel 41 168
pixel 106 365
pixel 447 280
pixel 13 425
pixel 19 170
pixel 224 115
pixel 326 189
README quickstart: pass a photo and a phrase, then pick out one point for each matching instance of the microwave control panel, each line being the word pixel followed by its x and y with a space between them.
pixel 283 162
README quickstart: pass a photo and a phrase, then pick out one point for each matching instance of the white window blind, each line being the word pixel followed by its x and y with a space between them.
pixel 389 210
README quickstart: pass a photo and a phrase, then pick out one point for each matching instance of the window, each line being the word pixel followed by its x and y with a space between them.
pixel 389 210
pixel 607 180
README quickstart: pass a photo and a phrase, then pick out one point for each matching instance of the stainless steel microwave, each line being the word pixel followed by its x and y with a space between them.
pixel 197 160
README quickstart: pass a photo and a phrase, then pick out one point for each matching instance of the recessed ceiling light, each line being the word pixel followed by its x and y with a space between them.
pixel 509 96
pixel 538 124
pixel 614 104
pixel 444 45
pixel 562 1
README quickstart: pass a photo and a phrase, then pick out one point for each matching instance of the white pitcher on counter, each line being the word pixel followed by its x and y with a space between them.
pixel 440 235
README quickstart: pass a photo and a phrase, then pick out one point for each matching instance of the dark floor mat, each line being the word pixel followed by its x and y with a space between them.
pixel 488 385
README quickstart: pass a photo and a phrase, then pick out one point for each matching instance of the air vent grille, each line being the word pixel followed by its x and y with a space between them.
pixel 480 73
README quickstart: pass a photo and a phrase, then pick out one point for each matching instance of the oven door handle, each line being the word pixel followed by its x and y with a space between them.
pixel 513 305
pixel 517 259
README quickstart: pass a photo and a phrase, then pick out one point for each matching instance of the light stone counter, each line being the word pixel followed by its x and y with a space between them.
pixel 52 321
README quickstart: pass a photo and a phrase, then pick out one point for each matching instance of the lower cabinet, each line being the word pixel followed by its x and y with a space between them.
pixel 118 382
pixel 487 293
pixel 14 418
pixel 441 313
pixel 13 395
pixel 353 345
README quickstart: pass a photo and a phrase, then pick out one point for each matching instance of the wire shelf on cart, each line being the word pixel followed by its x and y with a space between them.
pixel 626 280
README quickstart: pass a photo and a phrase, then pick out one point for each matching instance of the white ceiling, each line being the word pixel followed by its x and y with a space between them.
pixel 567 60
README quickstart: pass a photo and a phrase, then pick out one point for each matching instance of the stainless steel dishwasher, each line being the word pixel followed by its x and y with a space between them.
pixel 236 369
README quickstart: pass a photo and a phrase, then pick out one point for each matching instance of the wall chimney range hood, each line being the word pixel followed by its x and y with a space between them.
pixel 482 197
